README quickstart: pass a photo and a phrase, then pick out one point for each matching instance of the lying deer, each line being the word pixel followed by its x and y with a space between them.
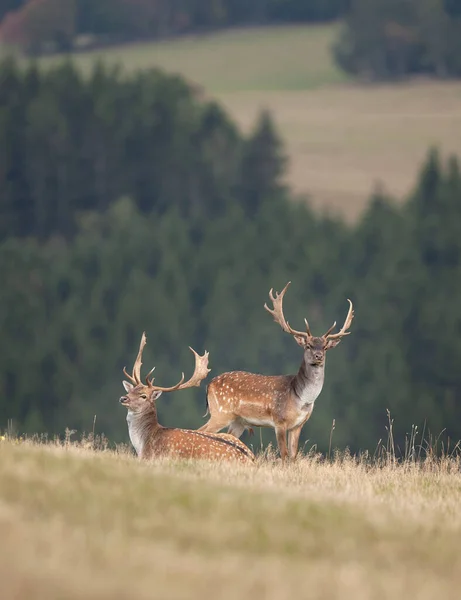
pixel 238 399
pixel 150 439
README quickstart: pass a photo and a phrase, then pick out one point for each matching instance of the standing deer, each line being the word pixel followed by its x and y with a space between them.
pixel 238 399
pixel 150 439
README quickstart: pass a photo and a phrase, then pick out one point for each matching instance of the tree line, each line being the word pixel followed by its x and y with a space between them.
pixel 127 204
pixel 378 39
pixel 54 24
pixel 75 144
pixel 391 39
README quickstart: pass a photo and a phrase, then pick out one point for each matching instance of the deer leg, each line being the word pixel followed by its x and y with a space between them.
pixel 236 428
pixel 281 434
pixel 293 441
pixel 218 418
pixel 216 423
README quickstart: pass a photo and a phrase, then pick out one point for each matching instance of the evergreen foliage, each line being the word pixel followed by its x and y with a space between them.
pixel 76 144
pixel 390 39
pixel 128 205
pixel 38 25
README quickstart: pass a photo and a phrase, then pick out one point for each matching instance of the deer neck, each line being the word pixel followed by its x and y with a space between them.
pixel 141 427
pixel 308 382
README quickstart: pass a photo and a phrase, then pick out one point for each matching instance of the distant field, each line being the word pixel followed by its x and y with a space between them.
pixel 341 137
pixel 277 58
pixel 343 140
pixel 77 524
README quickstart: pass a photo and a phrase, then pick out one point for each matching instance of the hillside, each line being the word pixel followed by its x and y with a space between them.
pixel 342 138
pixel 264 59
pixel 79 524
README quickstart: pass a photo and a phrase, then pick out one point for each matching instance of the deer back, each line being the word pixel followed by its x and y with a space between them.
pixel 237 388
pixel 185 443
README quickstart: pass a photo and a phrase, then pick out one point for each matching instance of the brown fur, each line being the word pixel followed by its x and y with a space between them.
pixel 238 399
pixel 150 439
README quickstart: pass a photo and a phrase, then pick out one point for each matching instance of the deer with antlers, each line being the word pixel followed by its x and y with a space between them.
pixel 150 439
pixel 239 400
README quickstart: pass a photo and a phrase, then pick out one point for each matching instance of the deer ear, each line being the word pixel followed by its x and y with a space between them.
pixel 332 344
pixel 156 394
pixel 128 386
pixel 300 340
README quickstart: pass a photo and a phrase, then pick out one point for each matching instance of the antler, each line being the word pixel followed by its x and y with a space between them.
pixel 347 323
pixel 200 372
pixel 135 377
pixel 277 313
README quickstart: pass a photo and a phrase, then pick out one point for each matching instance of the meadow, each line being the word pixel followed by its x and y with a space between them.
pixel 85 520
pixel 343 138
pixel 76 522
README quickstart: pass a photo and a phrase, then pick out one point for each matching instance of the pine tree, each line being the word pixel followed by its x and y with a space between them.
pixel 263 165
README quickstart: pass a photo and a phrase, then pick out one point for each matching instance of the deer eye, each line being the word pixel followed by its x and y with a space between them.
pixel 143 396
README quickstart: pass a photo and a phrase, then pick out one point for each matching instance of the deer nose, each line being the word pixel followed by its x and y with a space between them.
pixel 123 399
pixel 318 355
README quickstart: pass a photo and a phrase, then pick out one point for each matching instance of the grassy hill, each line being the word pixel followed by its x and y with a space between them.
pixel 342 138
pixel 265 59
pixel 80 524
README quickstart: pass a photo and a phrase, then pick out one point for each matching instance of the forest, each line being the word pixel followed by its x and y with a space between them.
pixel 379 39
pixel 127 203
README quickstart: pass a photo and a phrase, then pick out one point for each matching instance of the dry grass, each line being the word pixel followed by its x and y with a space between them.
pixel 341 138
pixel 76 523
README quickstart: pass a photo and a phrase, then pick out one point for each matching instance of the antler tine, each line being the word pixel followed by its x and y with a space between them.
pixel 200 372
pixel 277 313
pixel 150 381
pixel 138 362
pixel 345 327
pixel 330 330
pixel 166 389
pixel 130 377
pixel 135 376
pixel 308 328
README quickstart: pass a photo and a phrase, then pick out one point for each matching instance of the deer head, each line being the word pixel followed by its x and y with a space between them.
pixel 142 396
pixel 314 347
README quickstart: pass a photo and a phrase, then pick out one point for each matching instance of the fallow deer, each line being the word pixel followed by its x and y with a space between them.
pixel 239 399
pixel 150 439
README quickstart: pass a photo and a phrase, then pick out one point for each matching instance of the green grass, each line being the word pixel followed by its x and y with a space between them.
pixel 272 58
pixel 76 523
